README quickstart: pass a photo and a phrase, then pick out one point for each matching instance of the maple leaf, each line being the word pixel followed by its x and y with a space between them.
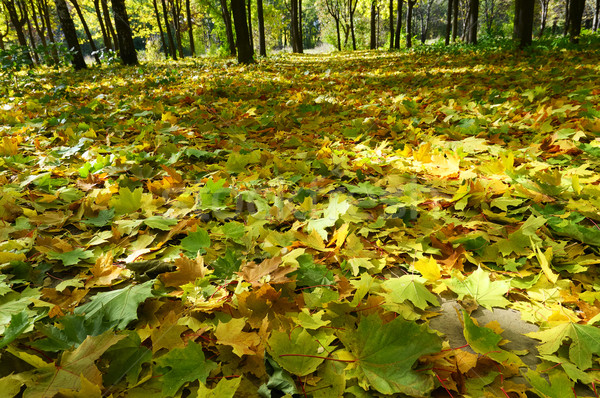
pixel 269 270
pixel 225 388
pixel 485 341
pixel 409 287
pixel 183 365
pixel 386 354
pixel 230 333
pixel 297 352
pixel 188 271
pixel 479 286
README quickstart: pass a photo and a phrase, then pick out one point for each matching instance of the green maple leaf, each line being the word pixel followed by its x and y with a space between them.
pixel 557 385
pixel 478 285
pixel 225 388
pixel 585 341
pixel 125 359
pixel 485 341
pixel 365 188
pixel 104 218
pixel 18 324
pixel 295 351
pixel 71 258
pixel 162 223
pixel 127 202
pixel 183 365
pixel 196 242
pixel 73 364
pixel 118 306
pixel 387 353
pixel 411 288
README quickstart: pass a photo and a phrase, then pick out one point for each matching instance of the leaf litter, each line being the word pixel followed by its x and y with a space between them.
pixel 291 227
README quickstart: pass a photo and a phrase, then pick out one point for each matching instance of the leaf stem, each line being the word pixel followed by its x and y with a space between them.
pixel 316 356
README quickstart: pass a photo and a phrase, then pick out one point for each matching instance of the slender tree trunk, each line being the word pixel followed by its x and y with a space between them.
pixel 473 21
pixel 543 16
pixel 567 17
pixel 23 8
pixel 261 28
pixel 245 51
pixel 373 26
pixel 294 25
pixel 39 30
pixel 18 23
pixel 448 23
pixel 188 12
pixel 105 35
pixel 398 24
pixel 299 30
pixel 176 12
pixel 109 25
pixel 337 30
pixel 160 29
pixel 575 16
pixel 596 17
pixel 126 48
pixel 351 11
pixel 454 20
pixel 45 13
pixel 392 36
pixel 524 22
pixel 172 48
pixel 228 27
pixel 409 11
pixel 87 31
pixel 68 28
pixel 250 33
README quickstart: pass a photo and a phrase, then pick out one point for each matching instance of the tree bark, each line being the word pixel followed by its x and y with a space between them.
pixel 172 49
pixel 188 12
pixel 176 12
pixel 261 28
pixel 160 29
pixel 567 17
pixel 352 10
pixel 409 11
pixel 245 51
pixel 473 21
pixel 454 20
pixel 334 10
pixel 524 22
pixel 18 23
pixel 448 23
pixel 575 16
pixel 398 24
pixel 299 30
pixel 544 4
pixel 250 33
pixel 105 34
pixel 45 12
pixel 392 36
pixel 125 36
pixel 87 31
pixel 25 15
pixel 596 17
pixel 373 25
pixel 68 27
pixel 228 27
pixel 109 25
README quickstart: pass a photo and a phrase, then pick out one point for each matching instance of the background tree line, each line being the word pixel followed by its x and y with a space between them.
pixel 31 30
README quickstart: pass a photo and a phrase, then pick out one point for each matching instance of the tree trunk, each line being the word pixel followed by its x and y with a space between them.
pixel 250 33
pixel 352 10
pixel 294 25
pixel 109 25
pixel 373 25
pixel 448 23
pixel 455 5
pixel 125 36
pixel 575 16
pixel 473 21
pixel 544 16
pixel 261 28
pixel 105 36
pixel 409 11
pixel 68 28
pixel 299 30
pixel 23 8
pixel 567 17
pixel 596 17
pixel 160 29
pixel 172 49
pixel 245 52
pixel 398 24
pixel 87 31
pixel 39 31
pixel 176 12
pixel 18 23
pixel 188 12
pixel 337 29
pixel 45 13
pixel 524 22
pixel 228 27
pixel 392 36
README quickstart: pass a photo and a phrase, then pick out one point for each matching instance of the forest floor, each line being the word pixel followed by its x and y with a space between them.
pixel 302 226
